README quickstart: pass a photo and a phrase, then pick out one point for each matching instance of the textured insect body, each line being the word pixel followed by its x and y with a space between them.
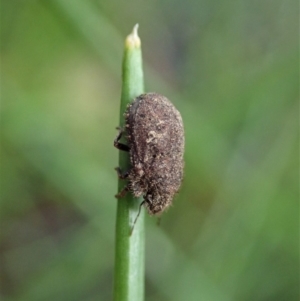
pixel 155 135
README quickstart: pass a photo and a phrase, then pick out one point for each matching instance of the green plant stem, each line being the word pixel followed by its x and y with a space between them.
pixel 129 254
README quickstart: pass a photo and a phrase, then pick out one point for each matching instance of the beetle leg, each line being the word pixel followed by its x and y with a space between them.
pixel 122 193
pixel 119 145
pixel 136 218
pixel 122 175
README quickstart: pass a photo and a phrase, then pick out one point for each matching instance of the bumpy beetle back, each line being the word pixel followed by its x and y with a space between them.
pixel 155 136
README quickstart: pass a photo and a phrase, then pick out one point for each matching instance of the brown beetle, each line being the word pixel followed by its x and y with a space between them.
pixel 155 135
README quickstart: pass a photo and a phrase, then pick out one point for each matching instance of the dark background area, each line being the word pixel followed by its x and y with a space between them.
pixel 232 70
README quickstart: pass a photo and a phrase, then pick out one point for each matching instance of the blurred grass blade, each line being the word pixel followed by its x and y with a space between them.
pixel 97 30
pixel 129 256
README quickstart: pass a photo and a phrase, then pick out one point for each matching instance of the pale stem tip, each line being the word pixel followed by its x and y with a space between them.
pixel 133 40
pixel 135 30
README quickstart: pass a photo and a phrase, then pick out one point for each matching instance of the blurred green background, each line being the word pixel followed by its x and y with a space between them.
pixel 230 67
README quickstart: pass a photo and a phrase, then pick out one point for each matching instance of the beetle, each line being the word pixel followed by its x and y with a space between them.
pixel 155 135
